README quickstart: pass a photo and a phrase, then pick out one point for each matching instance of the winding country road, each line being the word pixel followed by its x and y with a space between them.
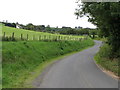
pixel 78 71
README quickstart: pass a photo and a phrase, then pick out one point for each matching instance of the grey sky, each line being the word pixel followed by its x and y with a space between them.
pixel 42 12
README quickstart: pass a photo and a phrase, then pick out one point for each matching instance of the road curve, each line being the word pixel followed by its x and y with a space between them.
pixel 78 71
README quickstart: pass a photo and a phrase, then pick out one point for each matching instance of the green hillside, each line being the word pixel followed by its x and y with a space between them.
pixel 35 35
pixel 27 56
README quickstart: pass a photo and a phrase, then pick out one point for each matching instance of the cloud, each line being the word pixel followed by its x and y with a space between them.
pixel 42 12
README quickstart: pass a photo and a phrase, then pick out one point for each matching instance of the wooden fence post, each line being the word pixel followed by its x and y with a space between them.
pixel 13 38
pixel 49 37
pixel 73 38
pixel 59 38
pixel 76 39
pixel 53 38
pixel 68 38
pixel 33 37
pixel 3 36
pixel 39 37
pixel 79 39
pixel 27 36
pixel 64 38
pixel 44 37
pixel 21 36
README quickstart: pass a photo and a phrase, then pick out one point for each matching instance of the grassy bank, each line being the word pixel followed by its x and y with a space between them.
pixel 103 59
pixel 21 58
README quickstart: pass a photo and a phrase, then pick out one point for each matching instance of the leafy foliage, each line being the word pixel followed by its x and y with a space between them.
pixel 106 16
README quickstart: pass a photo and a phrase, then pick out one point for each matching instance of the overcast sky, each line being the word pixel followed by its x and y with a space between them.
pixel 42 12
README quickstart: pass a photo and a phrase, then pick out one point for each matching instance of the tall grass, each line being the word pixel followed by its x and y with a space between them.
pixel 103 58
pixel 21 58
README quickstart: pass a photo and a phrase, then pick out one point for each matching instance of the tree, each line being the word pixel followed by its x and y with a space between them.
pixel 93 33
pixel 42 27
pixel 106 16
pixel 48 29
pixel 30 26
pixel 9 24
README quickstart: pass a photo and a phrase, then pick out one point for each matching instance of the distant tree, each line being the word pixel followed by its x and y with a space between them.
pixel 93 33
pixel 10 24
pixel 48 28
pixel 75 27
pixel 42 27
pixel 30 26
pixel 79 27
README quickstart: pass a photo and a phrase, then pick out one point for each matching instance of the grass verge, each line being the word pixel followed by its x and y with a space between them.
pixel 23 59
pixel 29 81
pixel 102 59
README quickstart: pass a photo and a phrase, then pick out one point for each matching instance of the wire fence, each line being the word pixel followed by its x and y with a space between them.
pixel 28 37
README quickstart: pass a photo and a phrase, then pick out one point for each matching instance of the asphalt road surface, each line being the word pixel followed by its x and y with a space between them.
pixel 78 71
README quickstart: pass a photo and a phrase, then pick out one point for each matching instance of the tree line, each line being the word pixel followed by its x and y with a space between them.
pixel 64 30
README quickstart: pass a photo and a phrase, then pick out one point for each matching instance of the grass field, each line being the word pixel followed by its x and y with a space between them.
pixel 21 58
pixel 35 35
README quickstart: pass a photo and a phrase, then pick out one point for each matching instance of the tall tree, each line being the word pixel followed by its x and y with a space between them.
pixel 106 16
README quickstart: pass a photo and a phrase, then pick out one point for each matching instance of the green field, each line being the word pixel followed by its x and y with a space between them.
pixel 33 35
